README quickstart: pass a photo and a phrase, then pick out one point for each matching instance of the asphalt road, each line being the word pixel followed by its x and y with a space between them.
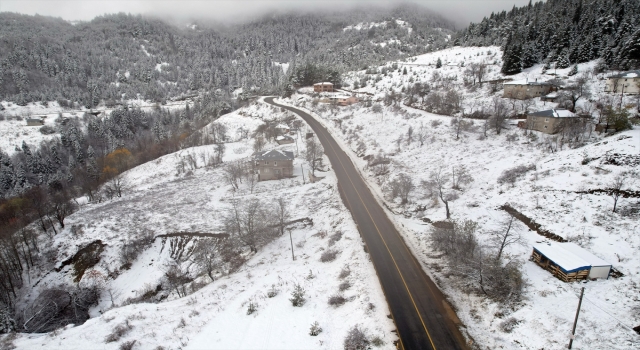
pixel 423 318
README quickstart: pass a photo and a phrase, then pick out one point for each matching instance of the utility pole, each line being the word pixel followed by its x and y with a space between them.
pixel 291 239
pixel 575 322
pixel 621 95
pixel 302 169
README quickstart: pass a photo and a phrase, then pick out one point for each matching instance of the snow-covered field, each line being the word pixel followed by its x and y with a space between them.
pixel 549 195
pixel 163 200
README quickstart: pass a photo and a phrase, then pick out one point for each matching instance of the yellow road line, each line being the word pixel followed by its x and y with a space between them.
pixel 383 241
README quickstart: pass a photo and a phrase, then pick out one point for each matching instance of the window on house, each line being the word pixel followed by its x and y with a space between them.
pixel 545 126
pixel 546 120
pixel 266 163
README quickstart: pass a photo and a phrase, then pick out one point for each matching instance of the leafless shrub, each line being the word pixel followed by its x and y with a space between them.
pixel 377 341
pixel 356 340
pixel 510 176
pixel 401 187
pixel 132 248
pixel 320 234
pixel 345 272
pixel 253 307
pixel 508 325
pixel 273 291
pixel 128 345
pixel 344 286
pixel 335 237
pixel 118 332
pixel 337 300
pixel 329 255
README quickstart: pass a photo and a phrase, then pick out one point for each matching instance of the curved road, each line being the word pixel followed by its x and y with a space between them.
pixel 422 316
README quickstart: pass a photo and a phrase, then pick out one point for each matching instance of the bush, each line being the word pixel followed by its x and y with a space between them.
pixel 346 271
pixel 377 341
pixel 128 345
pixel 344 286
pixel 273 291
pixel 315 329
pixel 47 130
pixel 508 325
pixel 329 255
pixel 297 296
pixel 337 300
pixel 510 176
pixel 253 307
pixel 335 237
pixel 356 340
pixel 118 332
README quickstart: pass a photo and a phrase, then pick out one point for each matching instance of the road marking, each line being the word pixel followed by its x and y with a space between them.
pixel 378 230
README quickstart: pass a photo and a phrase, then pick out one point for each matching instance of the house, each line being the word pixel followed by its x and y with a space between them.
pixel 569 262
pixel 282 129
pixel 35 122
pixel 343 100
pixel 273 165
pixel 627 83
pixel 550 97
pixel 283 140
pixel 549 121
pixel 524 89
pixel 323 87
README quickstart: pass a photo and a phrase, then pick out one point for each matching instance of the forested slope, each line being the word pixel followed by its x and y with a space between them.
pixel 119 56
pixel 564 31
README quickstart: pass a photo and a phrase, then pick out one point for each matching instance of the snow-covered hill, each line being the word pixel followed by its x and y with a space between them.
pixel 555 192
pixel 160 198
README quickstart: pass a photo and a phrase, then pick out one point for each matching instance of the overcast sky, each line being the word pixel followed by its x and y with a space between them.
pixel 460 12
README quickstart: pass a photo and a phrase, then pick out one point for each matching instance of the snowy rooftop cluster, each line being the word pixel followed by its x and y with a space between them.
pixel 630 74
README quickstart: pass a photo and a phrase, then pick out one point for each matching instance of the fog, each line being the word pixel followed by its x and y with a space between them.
pixel 461 12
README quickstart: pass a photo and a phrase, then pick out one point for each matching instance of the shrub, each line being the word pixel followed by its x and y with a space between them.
pixel 329 255
pixel 346 271
pixel 297 296
pixel 118 332
pixel 377 341
pixel 510 176
pixel 253 307
pixel 337 300
pixel 356 340
pixel 335 237
pixel 273 291
pixel 344 286
pixel 508 325
pixel 47 130
pixel 128 345
pixel 315 329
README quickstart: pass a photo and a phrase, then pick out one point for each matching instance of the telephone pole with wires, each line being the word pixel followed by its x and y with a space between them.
pixel 575 322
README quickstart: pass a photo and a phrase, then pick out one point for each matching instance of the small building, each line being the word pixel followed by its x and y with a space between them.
pixel 283 140
pixel 283 129
pixel 343 100
pixel 550 97
pixel 627 83
pixel 524 89
pixel 35 122
pixel 273 165
pixel 569 262
pixel 549 121
pixel 323 87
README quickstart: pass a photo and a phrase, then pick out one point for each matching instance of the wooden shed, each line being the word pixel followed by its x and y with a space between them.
pixel 569 262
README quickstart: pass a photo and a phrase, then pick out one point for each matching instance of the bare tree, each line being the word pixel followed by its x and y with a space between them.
pixel 219 152
pixel 615 188
pixel 282 215
pixel 499 115
pixel 115 187
pixel 401 187
pixel 579 89
pixel 250 223
pixel 421 134
pixel 507 234
pixel 233 172
pixel 436 186
pixel 410 135
pixel 458 124
pixel 258 143
pixel 313 154
pixel 460 176
pixel 206 255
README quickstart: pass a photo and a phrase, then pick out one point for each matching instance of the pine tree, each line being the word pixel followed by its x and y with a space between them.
pixel 511 59
pixel 438 63
pixel 563 60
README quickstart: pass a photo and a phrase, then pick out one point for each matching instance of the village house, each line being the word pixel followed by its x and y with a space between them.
pixel 323 87
pixel 283 140
pixel 273 165
pixel 35 122
pixel 524 89
pixel 343 100
pixel 550 121
pixel 282 129
pixel 627 83
pixel 569 262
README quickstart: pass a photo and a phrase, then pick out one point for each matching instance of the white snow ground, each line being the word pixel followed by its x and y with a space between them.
pixel 547 195
pixel 163 200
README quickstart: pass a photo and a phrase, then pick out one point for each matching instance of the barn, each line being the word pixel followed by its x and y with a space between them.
pixel 569 262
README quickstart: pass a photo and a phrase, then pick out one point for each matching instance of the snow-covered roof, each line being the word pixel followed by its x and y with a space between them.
pixel 565 259
pixel 325 83
pixel 629 74
pixel 283 138
pixel 553 113
pixel 552 95
pixel 273 155
pixel 525 82
pixel 282 126
pixel 569 256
